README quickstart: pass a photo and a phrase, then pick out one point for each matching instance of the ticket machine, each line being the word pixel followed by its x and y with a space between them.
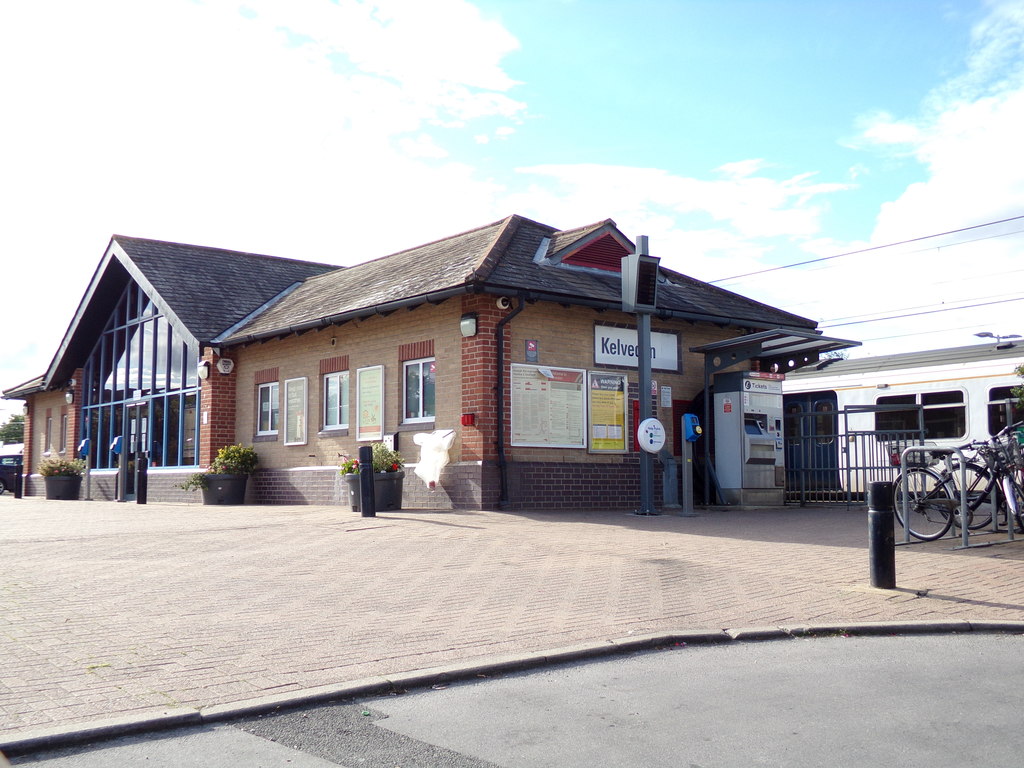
pixel 749 458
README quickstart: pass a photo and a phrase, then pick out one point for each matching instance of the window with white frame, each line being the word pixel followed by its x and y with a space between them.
pixel 336 400
pixel 268 408
pixel 419 377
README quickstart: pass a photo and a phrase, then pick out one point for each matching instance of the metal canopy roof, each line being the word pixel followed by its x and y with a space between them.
pixel 778 350
pixel 787 349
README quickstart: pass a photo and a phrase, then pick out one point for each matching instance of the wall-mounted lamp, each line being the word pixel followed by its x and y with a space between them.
pixel 203 369
pixel 468 324
pixel 69 396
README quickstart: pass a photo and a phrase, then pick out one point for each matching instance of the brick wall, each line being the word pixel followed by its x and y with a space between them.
pixel 218 396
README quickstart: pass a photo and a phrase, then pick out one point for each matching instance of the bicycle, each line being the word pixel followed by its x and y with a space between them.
pixel 992 487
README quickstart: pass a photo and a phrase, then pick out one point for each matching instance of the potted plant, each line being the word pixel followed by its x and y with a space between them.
pixel 62 477
pixel 228 476
pixel 388 477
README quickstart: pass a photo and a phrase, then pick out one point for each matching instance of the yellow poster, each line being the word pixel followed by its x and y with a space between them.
pixel 607 412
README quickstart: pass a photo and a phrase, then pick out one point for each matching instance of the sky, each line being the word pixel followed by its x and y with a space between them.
pixel 875 143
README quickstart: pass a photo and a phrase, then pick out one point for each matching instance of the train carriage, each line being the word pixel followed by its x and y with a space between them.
pixel 846 419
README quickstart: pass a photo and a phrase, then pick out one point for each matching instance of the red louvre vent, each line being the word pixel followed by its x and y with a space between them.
pixel 604 253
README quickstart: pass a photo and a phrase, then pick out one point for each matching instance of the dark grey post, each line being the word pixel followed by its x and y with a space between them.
pixel 141 478
pixel 881 536
pixel 367 501
pixel 19 478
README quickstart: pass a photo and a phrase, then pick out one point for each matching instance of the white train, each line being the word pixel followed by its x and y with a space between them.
pixel 846 418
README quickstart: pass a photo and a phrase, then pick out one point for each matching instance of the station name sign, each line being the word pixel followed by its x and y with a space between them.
pixel 618 346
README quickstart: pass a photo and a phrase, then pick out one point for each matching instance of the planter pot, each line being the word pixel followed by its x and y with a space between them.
pixel 225 489
pixel 62 487
pixel 387 490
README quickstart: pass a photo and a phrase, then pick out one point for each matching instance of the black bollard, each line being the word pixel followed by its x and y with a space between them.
pixel 141 478
pixel 19 479
pixel 367 502
pixel 881 536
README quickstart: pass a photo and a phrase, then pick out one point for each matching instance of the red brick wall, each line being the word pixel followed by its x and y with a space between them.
pixel 218 395
pixel 479 379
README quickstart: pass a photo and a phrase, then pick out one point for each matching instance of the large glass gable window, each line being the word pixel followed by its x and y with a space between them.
pixel 139 359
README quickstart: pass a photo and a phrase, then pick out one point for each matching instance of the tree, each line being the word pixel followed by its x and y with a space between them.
pixel 1018 392
pixel 14 430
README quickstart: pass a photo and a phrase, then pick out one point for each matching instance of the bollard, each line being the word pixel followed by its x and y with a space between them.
pixel 367 502
pixel 881 536
pixel 669 480
pixel 141 478
pixel 19 479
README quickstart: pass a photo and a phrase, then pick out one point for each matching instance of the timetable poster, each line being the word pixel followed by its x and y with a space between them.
pixel 607 412
pixel 547 407
pixel 370 403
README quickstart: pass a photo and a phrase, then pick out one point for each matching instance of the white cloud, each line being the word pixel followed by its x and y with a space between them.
pixel 751 209
pixel 296 129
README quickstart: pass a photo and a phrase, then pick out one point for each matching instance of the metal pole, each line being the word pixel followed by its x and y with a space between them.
pixel 141 478
pixel 122 471
pixel 367 501
pixel 643 323
pixel 881 536
pixel 687 476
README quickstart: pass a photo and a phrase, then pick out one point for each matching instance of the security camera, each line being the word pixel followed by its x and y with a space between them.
pixel 504 302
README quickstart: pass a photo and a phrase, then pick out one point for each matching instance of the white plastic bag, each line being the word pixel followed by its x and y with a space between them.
pixel 433 454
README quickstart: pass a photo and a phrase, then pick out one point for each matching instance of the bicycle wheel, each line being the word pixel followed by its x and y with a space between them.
pixel 1013 498
pixel 981 499
pixel 930 504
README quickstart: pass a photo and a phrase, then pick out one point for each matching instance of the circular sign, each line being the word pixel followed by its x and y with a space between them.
pixel 651 435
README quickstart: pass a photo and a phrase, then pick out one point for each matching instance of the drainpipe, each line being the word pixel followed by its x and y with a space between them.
pixel 499 337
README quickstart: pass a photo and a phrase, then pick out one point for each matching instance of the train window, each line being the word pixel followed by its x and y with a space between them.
pixel 896 420
pixel 1003 403
pixel 824 422
pixel 793 421
pixel 945 414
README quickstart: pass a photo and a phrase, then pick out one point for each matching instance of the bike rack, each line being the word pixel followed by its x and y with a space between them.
pixel 945 453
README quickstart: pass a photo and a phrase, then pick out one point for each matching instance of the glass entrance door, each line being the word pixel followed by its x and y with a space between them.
pixel 137 444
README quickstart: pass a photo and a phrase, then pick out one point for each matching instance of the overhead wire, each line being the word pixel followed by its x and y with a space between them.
pixel 887 245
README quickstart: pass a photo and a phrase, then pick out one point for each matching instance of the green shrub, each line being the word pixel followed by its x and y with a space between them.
pixel 384 460
pixel 235 460
pixel 59 466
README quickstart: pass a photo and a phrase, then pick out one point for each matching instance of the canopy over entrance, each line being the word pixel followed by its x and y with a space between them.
pixel 777 351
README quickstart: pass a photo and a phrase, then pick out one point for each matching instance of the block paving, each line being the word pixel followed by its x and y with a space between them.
pixel 111 610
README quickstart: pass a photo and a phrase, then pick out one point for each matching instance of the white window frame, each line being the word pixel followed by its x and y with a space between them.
pixel 295 407
pixel 274 400
pixel 343 382
pixel 418 363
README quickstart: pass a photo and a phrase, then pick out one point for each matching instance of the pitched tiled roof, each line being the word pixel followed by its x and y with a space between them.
pixel 499 258
pixel 420 273
pixel 212 289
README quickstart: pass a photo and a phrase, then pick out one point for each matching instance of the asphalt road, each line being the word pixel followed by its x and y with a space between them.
pixel 923 700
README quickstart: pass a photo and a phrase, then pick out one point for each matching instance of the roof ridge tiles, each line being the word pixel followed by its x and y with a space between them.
pixel 213 248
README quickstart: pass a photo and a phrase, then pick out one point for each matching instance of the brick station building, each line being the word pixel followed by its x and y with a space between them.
pixel 511 334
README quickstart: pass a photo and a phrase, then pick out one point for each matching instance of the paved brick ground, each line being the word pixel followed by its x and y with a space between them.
pixel 119 609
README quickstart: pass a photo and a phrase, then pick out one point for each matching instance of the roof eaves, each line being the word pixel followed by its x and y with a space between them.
pixel 434 297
